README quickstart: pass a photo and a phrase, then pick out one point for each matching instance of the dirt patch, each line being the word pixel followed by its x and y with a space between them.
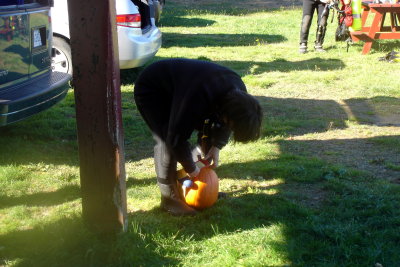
pixel 308 195
pixel 380 111
pixel 358 133
pixel 376 153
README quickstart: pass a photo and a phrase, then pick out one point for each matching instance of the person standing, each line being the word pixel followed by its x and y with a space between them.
pixel 309 8
pixel 179 96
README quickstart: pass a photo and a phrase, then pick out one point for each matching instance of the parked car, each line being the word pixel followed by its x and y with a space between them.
pixel 138 36
pixel 27 83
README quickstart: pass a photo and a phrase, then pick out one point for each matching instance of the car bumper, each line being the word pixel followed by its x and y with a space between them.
pixel 136 49
pixel 22 101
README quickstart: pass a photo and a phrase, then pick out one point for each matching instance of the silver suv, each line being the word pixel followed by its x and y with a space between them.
pixel 27 84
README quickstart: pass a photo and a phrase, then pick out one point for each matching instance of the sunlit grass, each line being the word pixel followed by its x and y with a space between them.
pixel 320 188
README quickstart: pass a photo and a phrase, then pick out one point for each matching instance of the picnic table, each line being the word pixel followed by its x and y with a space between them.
pixel 377 30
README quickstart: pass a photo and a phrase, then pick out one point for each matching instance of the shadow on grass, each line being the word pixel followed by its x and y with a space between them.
pixel 67 242
pixel 379 48
pixel 42 199
pixel 51 137
pixel 282 65
pixel 225 7
pixel 254 67
pixel 176 21
pixel 307 234
pixel 355 224
pixel 218 40
pixel 380 110
pixel 377 156
pixel 294 116
pixel 313 161
pixel 129 76
pixel 385 46
pixel 298 232
pixel 132 182
pixel 48 137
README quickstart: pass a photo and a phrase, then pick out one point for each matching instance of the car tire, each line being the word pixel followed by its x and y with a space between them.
pixel 61 58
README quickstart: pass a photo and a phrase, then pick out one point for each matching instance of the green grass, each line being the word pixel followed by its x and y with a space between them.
pixel 320 188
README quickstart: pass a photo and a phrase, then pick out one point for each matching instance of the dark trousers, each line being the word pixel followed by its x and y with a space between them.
pixel 157 120
pixel 164 161
pixel 309 7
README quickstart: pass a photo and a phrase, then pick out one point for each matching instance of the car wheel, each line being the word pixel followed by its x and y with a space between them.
pixel 61 58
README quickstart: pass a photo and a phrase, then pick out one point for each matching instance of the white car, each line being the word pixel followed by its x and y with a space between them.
pixel 138 36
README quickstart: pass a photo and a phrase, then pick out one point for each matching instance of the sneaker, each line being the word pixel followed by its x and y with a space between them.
pixel 319 48
pixel 303 48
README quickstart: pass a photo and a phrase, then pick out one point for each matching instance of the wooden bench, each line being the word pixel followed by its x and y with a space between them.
pixel 377 30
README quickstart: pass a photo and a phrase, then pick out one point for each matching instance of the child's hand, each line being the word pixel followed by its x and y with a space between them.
pixel 213 154
pixel 194 173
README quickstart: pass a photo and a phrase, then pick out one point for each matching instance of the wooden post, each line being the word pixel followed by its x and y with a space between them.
pixel 98 113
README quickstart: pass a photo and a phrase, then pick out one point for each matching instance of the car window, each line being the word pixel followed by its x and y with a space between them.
pixel 24 2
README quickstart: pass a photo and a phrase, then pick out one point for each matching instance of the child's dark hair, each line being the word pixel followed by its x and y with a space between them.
pixel 243 114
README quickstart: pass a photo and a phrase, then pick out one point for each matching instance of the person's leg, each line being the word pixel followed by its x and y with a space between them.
pixel 308 12
pixel 155 112
pixel 323 14
pixel 165 163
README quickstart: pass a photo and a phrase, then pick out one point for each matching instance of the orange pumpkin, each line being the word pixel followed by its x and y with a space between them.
pixel 204 192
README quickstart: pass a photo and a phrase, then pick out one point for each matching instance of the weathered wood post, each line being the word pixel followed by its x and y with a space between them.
pixel 98 113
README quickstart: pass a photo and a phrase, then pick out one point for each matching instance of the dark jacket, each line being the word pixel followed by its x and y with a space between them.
pixel 176 96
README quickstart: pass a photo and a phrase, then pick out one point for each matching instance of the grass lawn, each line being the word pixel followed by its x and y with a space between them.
pixel 320 188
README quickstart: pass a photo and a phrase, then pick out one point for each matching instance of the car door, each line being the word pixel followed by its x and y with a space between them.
pixel 14 45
